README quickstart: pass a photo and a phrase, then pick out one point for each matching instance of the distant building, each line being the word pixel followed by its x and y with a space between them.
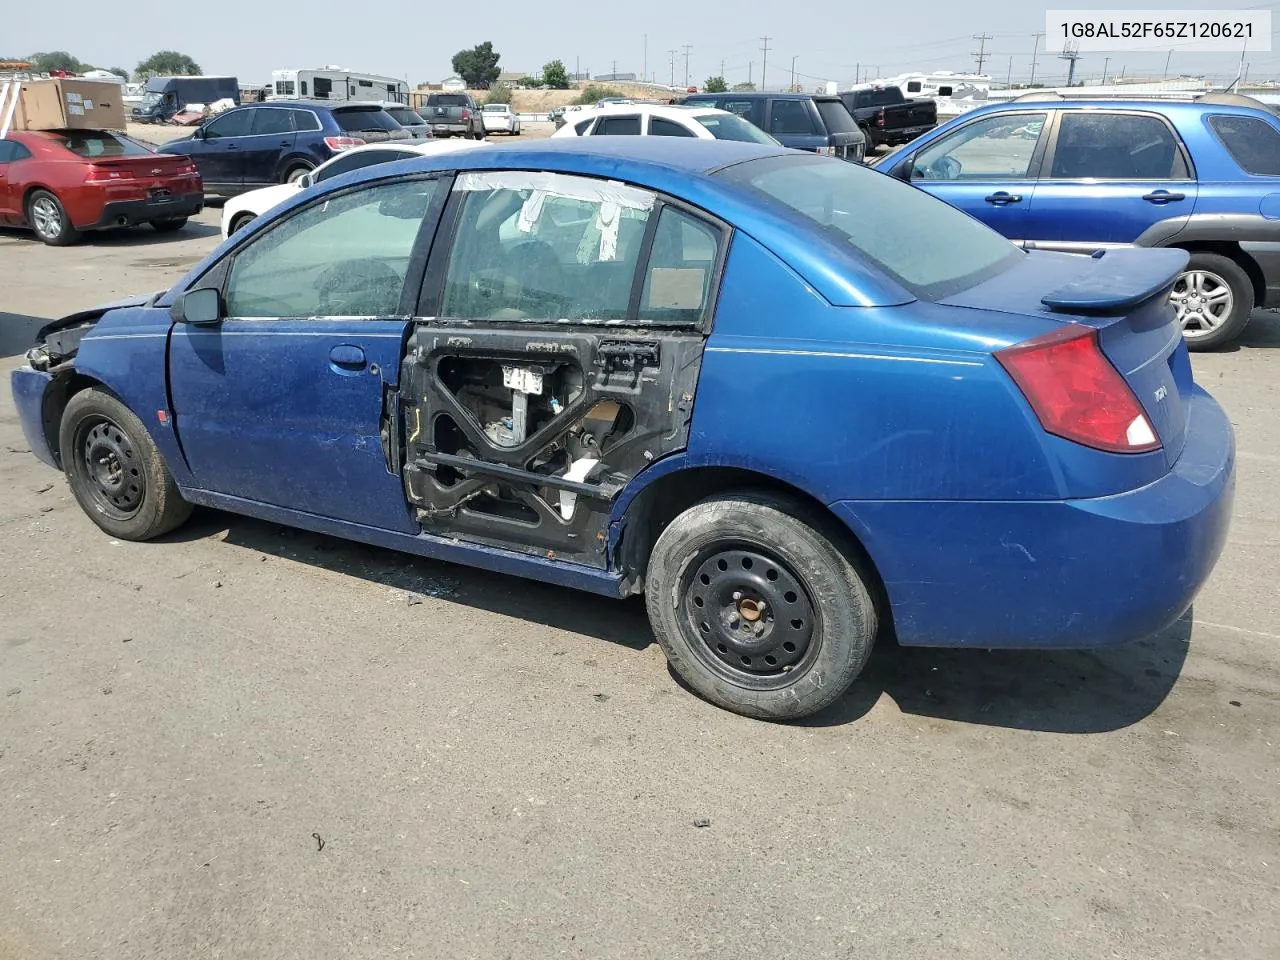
pixel 453 84
pixel 615 77
pixel 512 76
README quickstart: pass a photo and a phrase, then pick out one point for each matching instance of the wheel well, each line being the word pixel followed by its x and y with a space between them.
pixel 56 397
pixel 1231 250
pixel 667 497
pixel 34 188
pixel 295 164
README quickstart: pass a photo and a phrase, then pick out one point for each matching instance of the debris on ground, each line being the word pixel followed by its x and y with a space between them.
pixel 45 489
pixel 600 697
pixel 702 822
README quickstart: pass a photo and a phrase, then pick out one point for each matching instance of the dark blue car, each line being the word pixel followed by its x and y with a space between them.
pixel 1086 175
pixel 793 402
pixel 277 142
pixel 801 121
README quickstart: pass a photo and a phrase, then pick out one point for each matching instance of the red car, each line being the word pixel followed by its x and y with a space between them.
pixel 62 182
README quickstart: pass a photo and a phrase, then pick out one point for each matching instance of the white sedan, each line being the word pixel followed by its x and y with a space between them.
pixel 500 118
pixel 238 211
pixel 659 120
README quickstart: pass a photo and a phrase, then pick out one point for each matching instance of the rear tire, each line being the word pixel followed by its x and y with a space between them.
pixel 169 226
pixel 115 470
pixel 48 218
pixel 295 173
pixel 757 608
pixel 1213 298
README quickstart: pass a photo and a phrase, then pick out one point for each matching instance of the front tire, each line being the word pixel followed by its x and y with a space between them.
pixel 48 218
pixel 240 222
pixel 115 470
pixel 1213 299
pixel 757 608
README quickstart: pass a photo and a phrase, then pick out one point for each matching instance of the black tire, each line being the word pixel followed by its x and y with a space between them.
pixel 48 218
pixel 169 226
pixel 115 470
pixel 720 575
pixel 294 173
pixel 1208 274
pixel 240 222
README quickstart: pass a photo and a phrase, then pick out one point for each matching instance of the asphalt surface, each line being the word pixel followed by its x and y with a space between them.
pixel 501 769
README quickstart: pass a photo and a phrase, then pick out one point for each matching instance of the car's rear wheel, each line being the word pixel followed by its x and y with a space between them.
pixel 115 470
pixel 48 218
pixel 169 226
pixel 240 221
pixel 1213 299
pixel 296 173
pixel 757 608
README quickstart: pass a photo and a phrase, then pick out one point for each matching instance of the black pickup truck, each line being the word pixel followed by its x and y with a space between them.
pixel 453 115
pixel 887 117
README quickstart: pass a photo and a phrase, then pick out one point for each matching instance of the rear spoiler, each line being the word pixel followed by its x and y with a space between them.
pixel 1122 278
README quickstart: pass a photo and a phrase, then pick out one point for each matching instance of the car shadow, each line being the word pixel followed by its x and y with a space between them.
pixel 18 332
pixel 1090 691
pixel 1261 332
pixel 124 236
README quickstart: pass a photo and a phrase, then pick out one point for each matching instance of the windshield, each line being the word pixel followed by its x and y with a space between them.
pixel 151 98
pixel 836 116
pixel 729 126
pixel 930 248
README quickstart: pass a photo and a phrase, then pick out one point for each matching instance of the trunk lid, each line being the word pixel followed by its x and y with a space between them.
pixel 1124 295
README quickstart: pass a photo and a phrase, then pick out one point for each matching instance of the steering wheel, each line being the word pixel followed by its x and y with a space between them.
pixel 359 288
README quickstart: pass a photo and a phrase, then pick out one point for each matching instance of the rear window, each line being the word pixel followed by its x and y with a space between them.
pixel 1252 142
pixel 836 116
pixel 92 144
pixel 447 100
pixel 877 98
pixel 929 247
pixel 495 108
pixel 732 127
pixel 359 121
pixel 406 116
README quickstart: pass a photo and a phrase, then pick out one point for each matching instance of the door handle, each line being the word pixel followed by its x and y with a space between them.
pixel 347 355
pixel 1163 196
pixel 1000 197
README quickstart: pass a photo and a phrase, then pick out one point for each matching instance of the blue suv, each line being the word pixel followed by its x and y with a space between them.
pixel 277 142
pixel 1085 175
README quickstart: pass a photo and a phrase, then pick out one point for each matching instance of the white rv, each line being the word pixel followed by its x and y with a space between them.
pixel 336 83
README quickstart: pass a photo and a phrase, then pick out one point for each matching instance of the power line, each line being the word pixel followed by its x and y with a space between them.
pixel 765 64
pixel 981 54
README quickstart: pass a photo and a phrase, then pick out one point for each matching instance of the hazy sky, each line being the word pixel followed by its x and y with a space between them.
pixel 829 38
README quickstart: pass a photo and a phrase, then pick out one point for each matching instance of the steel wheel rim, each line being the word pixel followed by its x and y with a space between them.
pixel 1203 302
pixel 748 616
pixel 46 218
pixel 112 469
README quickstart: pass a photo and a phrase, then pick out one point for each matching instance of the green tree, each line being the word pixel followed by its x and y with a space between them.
pixel 168 63
pixel 478 67
pixel 57 60
pixel 119 72
pixel 715 85
pixel 499 93
pixel 741 87
pixel 555 76
pixel 594 93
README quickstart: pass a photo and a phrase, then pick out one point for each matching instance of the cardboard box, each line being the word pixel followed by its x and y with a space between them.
pixel 69 104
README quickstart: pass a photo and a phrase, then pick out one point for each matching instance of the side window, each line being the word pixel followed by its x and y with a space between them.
pixel 582 126
pixel 544 246
pixel 345 163
pixel 324 88
pixel 19 153
pixel 993 148
pixel 913 86
pixel 662 127
pixel 233 124
pixel 618 127
pixel 1253 143
pixel 304 120
pixel 7 151
pixel 749 110
pixel 790 117
pixel 270 120
pixel 677 283
pixel 1114 146
pixel 344 256
pixel 302 87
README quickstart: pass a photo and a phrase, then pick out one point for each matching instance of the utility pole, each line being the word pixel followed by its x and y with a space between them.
pixel 1166 64
pixel 615 70
pixel 644 74
pixel 686 65
pixel 857 74
pixel 764 65
pixel 672 55
pixel 1070 53
pixel 1105 63
pixel 1034 49
pixel 751 65
pixel 793 74
pixel 1008 82
pixel 981 55
pixel 721 69
pixel 577 68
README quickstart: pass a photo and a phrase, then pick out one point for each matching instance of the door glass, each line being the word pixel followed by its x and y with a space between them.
pixel 790 117
pixel 1252 142
pixel 661 127
pixel 677 283
pixel 269 120
pixel 618 126
pixel 994 148
pixel 544 246
pixel 1113 146
pixel 345 256
pixel 346 162
pixel 304 120
pixel 233 124
pixel 6 151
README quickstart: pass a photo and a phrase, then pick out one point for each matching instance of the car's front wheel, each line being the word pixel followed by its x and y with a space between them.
pixel 1213 299
pixel 757 607
pixel 48 218
pixel 115 470
pixel 239 222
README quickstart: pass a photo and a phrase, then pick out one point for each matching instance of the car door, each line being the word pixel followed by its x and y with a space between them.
pixel 217 151
pixel 568 321
pixel 281 402
pixel 1108 176
pixel 986 167
pixel 270 140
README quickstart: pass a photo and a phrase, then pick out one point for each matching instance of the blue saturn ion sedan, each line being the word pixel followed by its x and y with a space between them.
pixel 794 402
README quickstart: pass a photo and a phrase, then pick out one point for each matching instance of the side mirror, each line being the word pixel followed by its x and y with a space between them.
pixel 304 181
pixel 201 307
pixel 902 170
pixel 197 133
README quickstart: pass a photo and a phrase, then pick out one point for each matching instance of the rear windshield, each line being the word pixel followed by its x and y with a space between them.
pixel 836 116
pixel 929 247
pixel 877 98
pixel 729 126
pixel 447 100
pixel 1252 142
pixel 405 115
pixel 495 108
pixel 91 144
pixel 358 121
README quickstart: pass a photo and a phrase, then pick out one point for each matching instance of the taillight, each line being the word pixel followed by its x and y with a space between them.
pixel 338 144
pixel 827 151
pixel 466 114
pixel 1076 393
pixel 106 174
pixel 186 170
pixel 880 118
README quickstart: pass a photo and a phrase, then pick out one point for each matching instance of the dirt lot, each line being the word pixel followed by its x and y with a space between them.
pixel 502 769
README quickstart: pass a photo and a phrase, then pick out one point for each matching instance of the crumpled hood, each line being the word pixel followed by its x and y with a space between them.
pixel 95 313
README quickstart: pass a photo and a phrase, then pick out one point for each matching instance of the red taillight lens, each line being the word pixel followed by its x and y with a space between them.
pixel 1077 394
pixel 106 175
pixel 338 144
pixel 466 114
pixel 880 119
pixel 186 170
